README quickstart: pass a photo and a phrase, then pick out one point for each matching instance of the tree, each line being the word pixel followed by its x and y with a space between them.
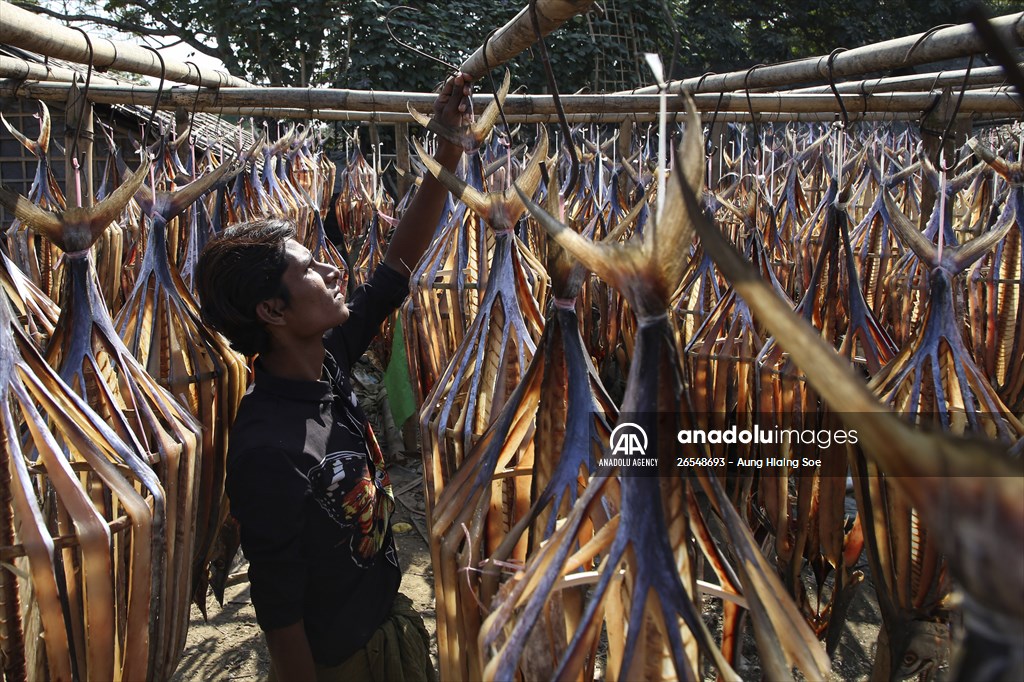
pixel 737 34
pixel 346 43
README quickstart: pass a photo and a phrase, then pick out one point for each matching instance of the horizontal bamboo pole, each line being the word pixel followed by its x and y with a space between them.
pixel 922 48
pixel 22 69
pixel 643 117
pixel 986 76
pixel 518 34
pixel 29 31
pixel 982 101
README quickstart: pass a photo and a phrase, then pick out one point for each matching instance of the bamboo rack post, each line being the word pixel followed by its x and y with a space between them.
pixel 402 158
pixel 29 31
pixel 78 139
pixel 518 34
pixel 932 127
pixel 717 138
pixel 625 147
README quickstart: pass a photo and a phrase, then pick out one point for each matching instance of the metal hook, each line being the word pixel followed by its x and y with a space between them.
pixel 832 85
pixel 195 106
pixel 924 36
pixel 952 118
pixel 159 92
pixel 494 89
pixel 700 81
pixel 709 148
pixel 750 108
pixel 387 24
pixel 85 91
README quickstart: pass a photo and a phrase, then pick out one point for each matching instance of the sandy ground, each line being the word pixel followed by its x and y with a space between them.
pixel 230 645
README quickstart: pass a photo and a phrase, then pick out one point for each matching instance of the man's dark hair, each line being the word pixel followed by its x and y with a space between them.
pixel 237 270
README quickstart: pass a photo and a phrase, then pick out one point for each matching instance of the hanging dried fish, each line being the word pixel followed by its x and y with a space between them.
pixel 907 284
pixel 934 379
pixel 93 360
pixel 470 136
pixel 115 252
pixel 444 294
pixel 36 313
pixel 804 508
pixel 720 356
pixel 161 326
pixel 498 345
pixel 81 529
pixel 996 303
pixel 522 476
pixel 36 257
pixel 969 489
pixel 875 247
pixel 655 592
pixel 358 181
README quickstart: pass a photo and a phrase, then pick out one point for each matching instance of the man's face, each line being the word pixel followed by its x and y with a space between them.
pixel 317 301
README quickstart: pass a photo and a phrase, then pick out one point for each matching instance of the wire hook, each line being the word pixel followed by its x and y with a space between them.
pixel 832 84
pixel 387 24
pixel 750 108
pixel 85 91
pixel 159 92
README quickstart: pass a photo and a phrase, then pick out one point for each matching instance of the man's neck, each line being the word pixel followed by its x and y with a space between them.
pixel 299 364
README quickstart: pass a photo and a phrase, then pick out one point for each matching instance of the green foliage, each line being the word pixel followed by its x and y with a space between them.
pixel 452 30
pixel 276 42
pixel 736 34
pixel 346 43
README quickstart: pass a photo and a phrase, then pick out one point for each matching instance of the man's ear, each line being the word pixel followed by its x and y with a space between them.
pixel 271 311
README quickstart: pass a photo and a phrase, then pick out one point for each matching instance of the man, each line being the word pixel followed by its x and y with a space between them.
pixel 305 477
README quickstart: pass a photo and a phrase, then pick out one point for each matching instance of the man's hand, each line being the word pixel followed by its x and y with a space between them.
pixel 416 228
pixel 453 107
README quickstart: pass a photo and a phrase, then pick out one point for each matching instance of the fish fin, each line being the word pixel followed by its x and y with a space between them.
pixel 42 221
pixel 669 243
pixel 617 264
pixel 529 179
pixel 99 216
pixel 472 197
pixel 909 234
pixel 25 142
pixel 963 256
pixel 187 195
pixel 482 127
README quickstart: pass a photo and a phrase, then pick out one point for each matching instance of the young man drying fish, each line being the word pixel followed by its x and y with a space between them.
pixel 305 478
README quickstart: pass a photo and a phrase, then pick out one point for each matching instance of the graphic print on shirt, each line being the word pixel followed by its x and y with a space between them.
pixel 344 488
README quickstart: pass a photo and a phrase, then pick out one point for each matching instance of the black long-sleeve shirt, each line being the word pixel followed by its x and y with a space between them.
pixel 307 484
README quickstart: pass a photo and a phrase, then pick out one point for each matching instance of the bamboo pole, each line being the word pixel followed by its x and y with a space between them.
pixel 29 31
pixel 394 118
pixel 518 34
pixel 998 100
pixel 22 69
pixel 922 48
pixel 986 76
pixel 402 158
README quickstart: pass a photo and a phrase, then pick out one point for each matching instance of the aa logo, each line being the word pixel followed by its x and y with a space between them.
pixel 628 439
